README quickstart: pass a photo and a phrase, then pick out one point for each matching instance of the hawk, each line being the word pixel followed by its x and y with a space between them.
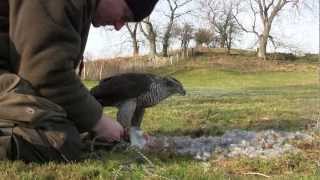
pixel 131 93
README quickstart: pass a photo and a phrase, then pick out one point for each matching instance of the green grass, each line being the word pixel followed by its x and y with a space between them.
pixel 218 99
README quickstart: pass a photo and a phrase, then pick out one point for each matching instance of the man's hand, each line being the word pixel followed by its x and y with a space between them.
pixel 108 129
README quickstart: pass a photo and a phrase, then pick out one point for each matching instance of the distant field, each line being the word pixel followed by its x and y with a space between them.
pixel 219 97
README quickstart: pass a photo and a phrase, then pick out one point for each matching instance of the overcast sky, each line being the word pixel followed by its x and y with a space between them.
pixel 298 31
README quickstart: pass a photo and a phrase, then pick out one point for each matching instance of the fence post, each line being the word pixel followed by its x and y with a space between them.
pixel 84 70
pixel 100 73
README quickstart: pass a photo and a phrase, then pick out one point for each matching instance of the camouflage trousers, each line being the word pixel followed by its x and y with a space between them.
pixel 32 128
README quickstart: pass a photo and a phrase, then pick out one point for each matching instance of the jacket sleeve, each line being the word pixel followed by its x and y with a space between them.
pixel 45 36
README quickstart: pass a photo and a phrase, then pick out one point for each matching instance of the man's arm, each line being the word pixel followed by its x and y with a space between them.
pixel 45 37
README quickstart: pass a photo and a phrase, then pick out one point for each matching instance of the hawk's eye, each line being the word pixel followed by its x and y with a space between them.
pixel 170 83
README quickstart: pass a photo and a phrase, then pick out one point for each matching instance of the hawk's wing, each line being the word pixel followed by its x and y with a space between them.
pixel 121 87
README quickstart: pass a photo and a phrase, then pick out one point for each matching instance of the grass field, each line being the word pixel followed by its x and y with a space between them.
pixel 220 96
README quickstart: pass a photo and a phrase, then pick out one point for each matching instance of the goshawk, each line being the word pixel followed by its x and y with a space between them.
pixel 131 93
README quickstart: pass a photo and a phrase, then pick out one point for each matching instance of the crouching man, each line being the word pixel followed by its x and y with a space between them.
pixel 43 104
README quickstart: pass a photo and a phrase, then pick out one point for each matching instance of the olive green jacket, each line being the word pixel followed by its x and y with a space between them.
pixel 42 41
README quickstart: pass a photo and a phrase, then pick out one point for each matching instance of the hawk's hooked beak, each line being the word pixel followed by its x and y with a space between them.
pixel 182 92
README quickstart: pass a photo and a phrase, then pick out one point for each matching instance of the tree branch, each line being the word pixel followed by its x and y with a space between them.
pixel 269 5
pixel 244 29
pixel 277 8
pixel 142 30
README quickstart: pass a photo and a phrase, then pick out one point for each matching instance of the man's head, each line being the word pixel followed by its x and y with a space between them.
pixel 118 12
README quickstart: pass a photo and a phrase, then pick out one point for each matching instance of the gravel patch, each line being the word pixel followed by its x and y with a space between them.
pixel 263 144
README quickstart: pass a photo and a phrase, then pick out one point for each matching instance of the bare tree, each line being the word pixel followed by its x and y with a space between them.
pixel 174 6
pixel 184 34
pixel 220 15
pixel 232 31
pixel 203 36
pixel 150 34
pixel 267 10
pixel 210 8
pixel 132 29
pixel 226 25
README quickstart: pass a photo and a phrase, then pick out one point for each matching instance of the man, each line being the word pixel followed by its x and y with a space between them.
pixel 43 103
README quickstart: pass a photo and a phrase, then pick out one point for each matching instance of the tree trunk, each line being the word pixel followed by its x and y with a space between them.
pixel 224 39
pixel 151 36
pixel 262 51
pixel 229 39
pixel 152 40
pixel 222 42
pixel 229 43
pixel 133 34
pixel 263 41
pixel 135 47
pixel 165 46
pixel 152 47
pixel 167 36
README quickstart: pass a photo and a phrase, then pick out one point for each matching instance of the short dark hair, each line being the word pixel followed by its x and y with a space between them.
pixel 141 8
